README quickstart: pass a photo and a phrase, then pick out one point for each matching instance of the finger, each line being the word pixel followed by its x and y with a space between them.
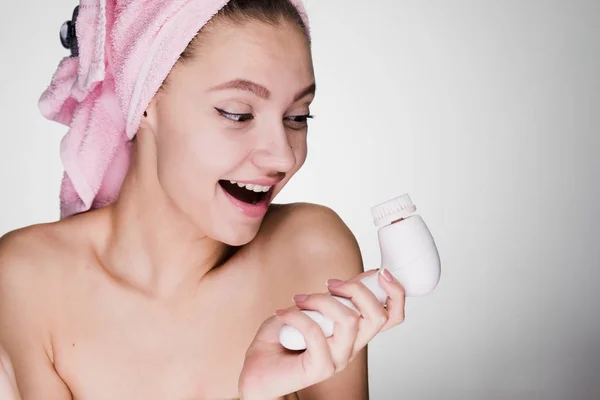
pixel 317 362
pixel 374 315
pixel 363 275
pixel 268 332
pixel 345 325
pixel 396 300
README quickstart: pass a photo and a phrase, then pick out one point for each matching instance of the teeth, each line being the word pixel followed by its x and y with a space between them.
pixel 251 187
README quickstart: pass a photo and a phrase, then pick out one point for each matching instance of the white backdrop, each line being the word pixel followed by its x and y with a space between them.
pixel 485 112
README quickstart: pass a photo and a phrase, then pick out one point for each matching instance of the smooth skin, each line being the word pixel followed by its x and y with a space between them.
pixel 170 292
pixel 8 383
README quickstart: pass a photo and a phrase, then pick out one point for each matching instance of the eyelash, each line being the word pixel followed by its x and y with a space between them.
pixel 242 118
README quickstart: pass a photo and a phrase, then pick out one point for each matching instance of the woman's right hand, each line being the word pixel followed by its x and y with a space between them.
pixel 271 371
pixel 8 383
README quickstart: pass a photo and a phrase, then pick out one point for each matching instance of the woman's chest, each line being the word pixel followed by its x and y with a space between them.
pixel 122 350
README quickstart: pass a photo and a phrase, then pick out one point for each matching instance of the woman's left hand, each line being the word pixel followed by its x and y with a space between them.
pixel 270 370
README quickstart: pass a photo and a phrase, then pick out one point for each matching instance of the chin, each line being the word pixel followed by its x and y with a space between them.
pixel 238 235
pixel 236 215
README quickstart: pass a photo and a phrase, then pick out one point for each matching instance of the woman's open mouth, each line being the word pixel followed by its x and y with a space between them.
pixel 252 200
pixel 246 193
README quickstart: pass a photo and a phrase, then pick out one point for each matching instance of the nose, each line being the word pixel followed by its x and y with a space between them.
pixel 274 151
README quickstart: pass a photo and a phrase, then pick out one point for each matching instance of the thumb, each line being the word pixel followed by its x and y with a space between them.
pixel 268 332
pixel 364 275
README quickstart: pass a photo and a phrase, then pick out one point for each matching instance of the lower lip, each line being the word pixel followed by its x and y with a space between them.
pixel 251 210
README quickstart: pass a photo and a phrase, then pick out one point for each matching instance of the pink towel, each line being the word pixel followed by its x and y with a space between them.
pixel 125 50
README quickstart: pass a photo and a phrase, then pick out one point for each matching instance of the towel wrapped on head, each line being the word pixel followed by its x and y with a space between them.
pixel 121 52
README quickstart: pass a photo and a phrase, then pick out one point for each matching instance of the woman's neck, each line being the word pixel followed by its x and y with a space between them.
pixel 150 245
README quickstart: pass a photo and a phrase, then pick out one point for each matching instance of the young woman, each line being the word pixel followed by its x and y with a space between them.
pixel 170 291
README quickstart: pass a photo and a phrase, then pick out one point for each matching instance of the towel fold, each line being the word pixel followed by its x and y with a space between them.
pixel 125 50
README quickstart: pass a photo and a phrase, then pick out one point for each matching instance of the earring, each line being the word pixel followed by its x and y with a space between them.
pixel 145 114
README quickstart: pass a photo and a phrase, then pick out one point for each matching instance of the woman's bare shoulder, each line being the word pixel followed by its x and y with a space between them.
pixel 310 243
pixel 30 257
pixel 32 272
pixel 314 225
pixel 25 245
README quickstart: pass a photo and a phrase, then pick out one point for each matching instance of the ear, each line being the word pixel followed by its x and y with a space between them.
pixel 149 118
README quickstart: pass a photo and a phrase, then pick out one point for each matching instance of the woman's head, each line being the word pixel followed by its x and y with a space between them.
pixel 234 108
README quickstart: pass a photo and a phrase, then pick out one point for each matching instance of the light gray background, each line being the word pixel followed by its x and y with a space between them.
pixel 485 112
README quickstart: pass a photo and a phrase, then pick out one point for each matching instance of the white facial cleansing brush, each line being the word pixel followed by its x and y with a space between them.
pixel 408 251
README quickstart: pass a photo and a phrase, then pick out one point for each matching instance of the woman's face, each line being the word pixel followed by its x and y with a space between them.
pixel 237 111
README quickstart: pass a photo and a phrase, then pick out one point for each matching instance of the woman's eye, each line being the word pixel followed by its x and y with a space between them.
pixel 294 121
pixel 235 117
pixel 298 121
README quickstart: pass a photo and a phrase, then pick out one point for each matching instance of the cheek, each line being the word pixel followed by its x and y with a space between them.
pixel 300 148
pixel 194 160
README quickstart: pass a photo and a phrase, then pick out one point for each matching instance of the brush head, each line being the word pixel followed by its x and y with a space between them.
pixel 392 210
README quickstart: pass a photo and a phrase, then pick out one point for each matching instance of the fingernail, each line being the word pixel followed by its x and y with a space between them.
pixel 386 274
pixel 333 282
pixel 299 297
pixel 280 312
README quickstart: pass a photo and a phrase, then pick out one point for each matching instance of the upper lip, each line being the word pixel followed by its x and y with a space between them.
pixel 259 181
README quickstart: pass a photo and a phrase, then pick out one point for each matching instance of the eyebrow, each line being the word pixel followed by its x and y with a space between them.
pixel 260 90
